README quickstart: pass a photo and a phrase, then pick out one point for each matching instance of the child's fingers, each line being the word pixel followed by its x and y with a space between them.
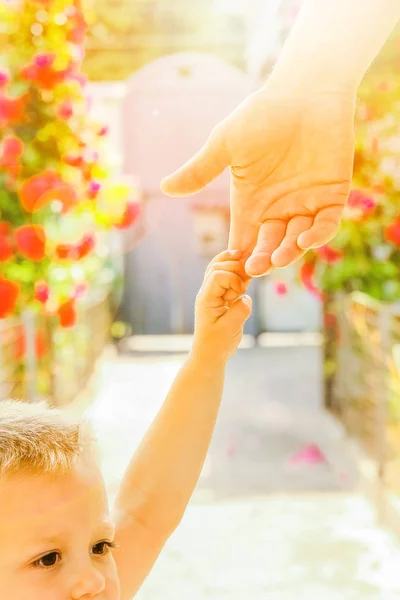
pixel 218 284
pixel 230 296
pixel 240 311
pixel 234 266
pixel 226 255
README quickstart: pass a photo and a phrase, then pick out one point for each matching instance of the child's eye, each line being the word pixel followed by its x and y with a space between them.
pixel 48 561
pixel 102 548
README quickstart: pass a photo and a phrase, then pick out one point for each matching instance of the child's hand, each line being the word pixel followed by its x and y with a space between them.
pixel 221 309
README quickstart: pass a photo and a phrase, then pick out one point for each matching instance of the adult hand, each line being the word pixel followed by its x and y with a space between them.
pixel 291 162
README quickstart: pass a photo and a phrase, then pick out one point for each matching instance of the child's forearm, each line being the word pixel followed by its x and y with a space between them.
pixel 333 43
pixel 164 470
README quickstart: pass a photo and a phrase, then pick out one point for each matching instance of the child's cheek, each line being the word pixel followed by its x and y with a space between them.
pixel 112 591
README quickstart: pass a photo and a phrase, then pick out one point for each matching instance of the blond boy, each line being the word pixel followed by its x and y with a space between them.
pixel 58 540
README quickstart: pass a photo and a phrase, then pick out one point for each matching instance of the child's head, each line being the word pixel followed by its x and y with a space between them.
pixel 55 528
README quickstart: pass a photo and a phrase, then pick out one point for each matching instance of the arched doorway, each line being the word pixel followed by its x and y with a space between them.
pixel 171 106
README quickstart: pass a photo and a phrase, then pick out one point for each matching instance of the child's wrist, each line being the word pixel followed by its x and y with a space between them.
pixel 206 356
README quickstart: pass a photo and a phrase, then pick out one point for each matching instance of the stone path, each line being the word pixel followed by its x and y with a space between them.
pixel 278 548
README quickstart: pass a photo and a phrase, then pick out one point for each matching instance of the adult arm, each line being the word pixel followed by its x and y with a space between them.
pixel 290 145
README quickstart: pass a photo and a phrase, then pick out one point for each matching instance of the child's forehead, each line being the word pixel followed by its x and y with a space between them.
pixel 38 513
pixel 36 499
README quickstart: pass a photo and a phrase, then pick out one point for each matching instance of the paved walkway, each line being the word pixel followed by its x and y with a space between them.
pixel 288 548
pixel 259 525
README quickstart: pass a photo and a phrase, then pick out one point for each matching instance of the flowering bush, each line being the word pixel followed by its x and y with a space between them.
pixel 57 199
pixel 365 255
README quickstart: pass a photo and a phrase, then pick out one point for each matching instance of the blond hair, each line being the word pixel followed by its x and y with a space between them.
pixel 41 439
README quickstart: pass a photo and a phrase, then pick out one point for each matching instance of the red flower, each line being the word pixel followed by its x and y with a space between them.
pixel 41 346
pixel 307 271
pixel 80 290
pixel 31 241
pixel 86 171
pixel 42 292
pixel 76 35
pixel 64 193
pixel 66 110
pixel 73 161
pixel 76 251
pixel 45 60
pixel 132 211
pixel 5 228
pixel 9 292
pixel 360 205
pixel 42 71
pixel 94 189
pixel 329 255
pixel 392 233
pixel 103 131
pixel 86 245
pixel 6 250
pixel 4 78
pixel 41 189
pixel 11 109
pixel 35 187
pixel 67 314
pixel 306 275
pixel 78 77
pixel 67 252
pixel 13 146
pixel 281 288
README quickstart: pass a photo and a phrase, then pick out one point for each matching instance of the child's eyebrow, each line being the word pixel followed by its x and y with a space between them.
pixel 105 528
pixel 53 539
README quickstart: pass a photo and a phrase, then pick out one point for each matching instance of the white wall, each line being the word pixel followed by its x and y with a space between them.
pixel 298 310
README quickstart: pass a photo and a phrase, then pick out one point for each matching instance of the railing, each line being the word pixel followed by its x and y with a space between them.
pixel 11 370
pixel 365 392
pixel 40 360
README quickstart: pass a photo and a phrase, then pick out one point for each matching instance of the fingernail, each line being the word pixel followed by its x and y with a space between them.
pixel 235 253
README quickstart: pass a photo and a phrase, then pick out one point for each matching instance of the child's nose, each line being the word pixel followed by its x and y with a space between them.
pixel 89 582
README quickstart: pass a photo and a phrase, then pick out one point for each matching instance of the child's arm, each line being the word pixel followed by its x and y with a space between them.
pixel 164 470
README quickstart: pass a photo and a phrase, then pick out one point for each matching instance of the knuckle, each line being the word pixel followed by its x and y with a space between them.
pixel 216 274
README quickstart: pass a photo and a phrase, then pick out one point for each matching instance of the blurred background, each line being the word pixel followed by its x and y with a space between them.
pixel 99 99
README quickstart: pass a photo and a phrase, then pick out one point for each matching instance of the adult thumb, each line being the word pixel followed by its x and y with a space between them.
pixel 209 162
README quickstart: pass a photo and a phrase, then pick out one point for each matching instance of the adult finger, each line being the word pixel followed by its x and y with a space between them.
pixel 209 162
pixel 325 226
pixel 269 238
pixel 243 231
pixel 288 251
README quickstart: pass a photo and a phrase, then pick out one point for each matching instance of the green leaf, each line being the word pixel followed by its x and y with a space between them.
pixel 17 88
